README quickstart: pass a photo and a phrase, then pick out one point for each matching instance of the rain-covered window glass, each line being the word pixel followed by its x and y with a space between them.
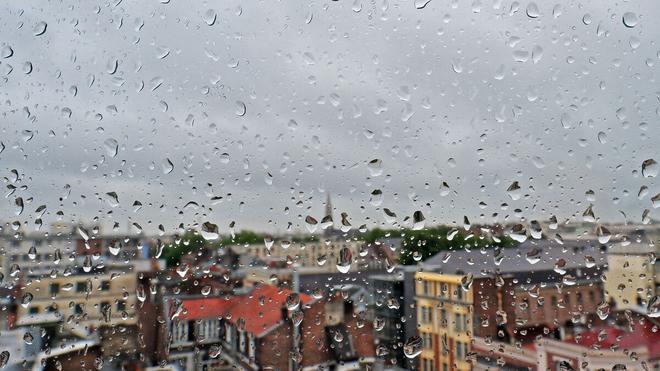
pixel 329 185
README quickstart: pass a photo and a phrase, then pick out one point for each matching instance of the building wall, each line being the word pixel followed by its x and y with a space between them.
pixel 444 316
pixel 559 306
pixel 69 296
pixel 625 275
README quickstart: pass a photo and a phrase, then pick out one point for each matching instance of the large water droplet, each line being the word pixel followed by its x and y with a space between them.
pixel 532 10
pixel 39 28
pixel 650 168
pixel 210 231
pixel 413 347
pixel 344 260
pixel 629 19
pixel 421 4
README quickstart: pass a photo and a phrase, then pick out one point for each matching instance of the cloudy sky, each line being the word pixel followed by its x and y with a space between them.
pixel 263 107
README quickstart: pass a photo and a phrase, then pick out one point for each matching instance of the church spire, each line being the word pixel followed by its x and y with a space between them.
pixel 328 206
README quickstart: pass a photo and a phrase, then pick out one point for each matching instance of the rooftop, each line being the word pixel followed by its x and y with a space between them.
pixel 529 256
pixel 260 309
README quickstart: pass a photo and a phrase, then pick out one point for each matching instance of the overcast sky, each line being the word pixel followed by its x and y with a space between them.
pixel 563 99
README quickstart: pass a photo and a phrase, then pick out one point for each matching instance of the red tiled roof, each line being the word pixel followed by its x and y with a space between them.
pixel 258 317
pixel 205 308
pixel 644 334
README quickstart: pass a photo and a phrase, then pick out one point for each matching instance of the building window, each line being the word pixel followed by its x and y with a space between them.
pixel 179 332
pixel 443 317
pixel 81 286
pixel 459 294
pixel 105 285
pixel 459 350
pixel 54 289
pixel 554 301
pixel 578 298
pixel 79 309
pixel 425 287
pixel 121 306
pixel 427 339
pixel 592 296
pixel 33 310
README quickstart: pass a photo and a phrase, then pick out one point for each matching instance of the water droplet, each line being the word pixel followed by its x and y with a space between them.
pixel 112 199
pixel 588 215
pixel 28 338
pixel 514 191
pixel 167 166
pixel 6 51
pixel 375 167
pixel 344 260
pixel 629 19
pixel 27 67
pixel 532 10
pixel 39 28
pixel 655 200
pixel 650 168
pixel 413 347
pixel 603 234
pixel 533 256
pixel 421 4
pixel 210 231
pixel 4 358
pixel 418 220
pixel 241 109
pixel 311 223
pixel 111 147
pixel 292 301
pixel 26 300
pixel 376 198
pixel 210 16
pixel 653 307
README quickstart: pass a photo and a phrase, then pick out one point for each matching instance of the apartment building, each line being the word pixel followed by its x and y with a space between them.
pixel 94 300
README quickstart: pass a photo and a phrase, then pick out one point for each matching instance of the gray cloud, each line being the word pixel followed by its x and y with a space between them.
pixel 470 100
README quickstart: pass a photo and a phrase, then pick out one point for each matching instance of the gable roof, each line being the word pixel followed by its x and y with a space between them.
pixel 261 309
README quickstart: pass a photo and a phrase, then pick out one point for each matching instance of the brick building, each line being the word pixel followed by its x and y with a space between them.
pixel 513 295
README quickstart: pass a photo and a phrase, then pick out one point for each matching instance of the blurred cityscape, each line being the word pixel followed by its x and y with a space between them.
pixel 545 295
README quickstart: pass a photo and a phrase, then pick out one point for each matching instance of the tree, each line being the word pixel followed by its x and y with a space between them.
pixel 188 243
pixel 429 241
pixel 426 243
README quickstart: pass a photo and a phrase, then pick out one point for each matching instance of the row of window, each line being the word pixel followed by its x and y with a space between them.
pixel 566 300
pixel 461 321
pixel 210 330
pixel 429 288
pixel 78 308
pixel 81 287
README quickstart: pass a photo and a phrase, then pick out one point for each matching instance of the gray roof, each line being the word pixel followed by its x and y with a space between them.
pixel 575 253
